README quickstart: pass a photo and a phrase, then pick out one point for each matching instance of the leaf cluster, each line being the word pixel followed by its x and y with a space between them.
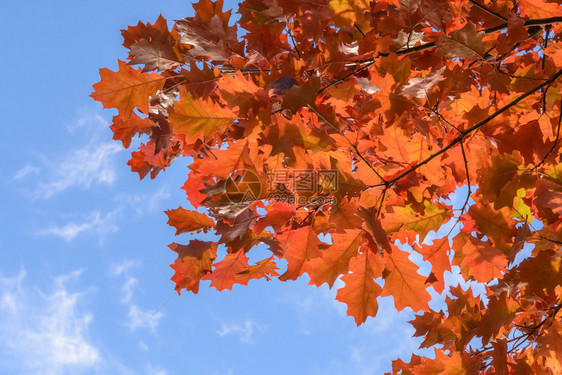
pixel 405 101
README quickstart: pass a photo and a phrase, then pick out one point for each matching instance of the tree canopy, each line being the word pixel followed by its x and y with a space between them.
pixel 334 133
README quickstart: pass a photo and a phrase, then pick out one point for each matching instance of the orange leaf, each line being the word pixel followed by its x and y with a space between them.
pixel 194 261
pixel 437 254
pixel 404 283
pixel 360 291
pixel 334 260
pixel 126 89
pixel 186 221
pixel 300 245
pixel 124 129
pixel 479 259
pixel 539 9
pixel 262 269
pixel 226 271
pixel 199 119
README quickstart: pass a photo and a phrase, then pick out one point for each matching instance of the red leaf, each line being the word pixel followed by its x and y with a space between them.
pixel 188 221
pixel 194 261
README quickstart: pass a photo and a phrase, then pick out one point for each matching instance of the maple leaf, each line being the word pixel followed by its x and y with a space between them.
pixel 429 325
pixel 550 345
pixel 547 198
pixel 301 96
pixel 496 224
pixel 265 268
pixel 209 34
pixel 154 55
pixel 147 31
pixel 226 162
pixel 433 217
pixel 554 50
pixel 153 46
pixel 126 89
pixel 373 225
pixel 344 215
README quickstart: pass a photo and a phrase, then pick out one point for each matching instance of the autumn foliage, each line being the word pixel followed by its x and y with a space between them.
pixel 334 134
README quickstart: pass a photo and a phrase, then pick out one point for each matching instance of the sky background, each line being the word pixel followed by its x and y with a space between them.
pixel 84 264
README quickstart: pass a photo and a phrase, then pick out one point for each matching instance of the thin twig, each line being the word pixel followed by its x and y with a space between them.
pixel 546 31
pixel 357 27
pixel 294 43
pixel 466 132
pixel 555 140
pixel 436 111
pixel 426 46
pixel 467 179
pixel 382 199
pixel 520 77
pixel 348 141
pixel 346 76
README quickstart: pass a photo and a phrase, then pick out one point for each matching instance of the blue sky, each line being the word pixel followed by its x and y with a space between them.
pixel 83 260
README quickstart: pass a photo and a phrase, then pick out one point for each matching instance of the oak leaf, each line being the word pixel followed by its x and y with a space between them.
pixel 186 221
pixel 199 119
pixel 360 292
pixel 465 43
pixel 126 89
pixel 194 261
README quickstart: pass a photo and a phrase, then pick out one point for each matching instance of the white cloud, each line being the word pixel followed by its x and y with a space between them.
pixel 44 333
pixel 137 318
pixel 88 122
pixel 245 331
pixel 91 163
pixel 155 370
pixel 117 269
pixel 315 307
pixel 25 171
pixel 146 203
pixel 94 223
pixel 127 289
pixel 154 203
pixel 130 282
pixel 143 319
pixel 82 167
pixel 376 343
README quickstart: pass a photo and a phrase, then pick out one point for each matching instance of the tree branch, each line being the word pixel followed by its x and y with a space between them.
pixel 466 132
pixel 426 46
pixel 556 139
pixel 467 179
